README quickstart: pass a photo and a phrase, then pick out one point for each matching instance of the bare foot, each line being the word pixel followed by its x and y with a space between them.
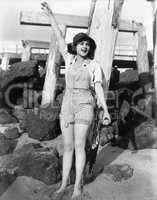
pixel 60 189
pixel 77 194
pixel 57 195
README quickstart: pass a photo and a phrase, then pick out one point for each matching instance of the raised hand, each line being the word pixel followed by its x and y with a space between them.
pixel 46 8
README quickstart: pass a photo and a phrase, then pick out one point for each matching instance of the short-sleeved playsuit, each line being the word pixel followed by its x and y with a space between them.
pixel 78 102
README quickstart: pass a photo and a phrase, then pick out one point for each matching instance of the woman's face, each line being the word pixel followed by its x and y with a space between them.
pixel 82 48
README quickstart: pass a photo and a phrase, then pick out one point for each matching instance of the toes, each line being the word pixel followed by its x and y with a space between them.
pixel 79 197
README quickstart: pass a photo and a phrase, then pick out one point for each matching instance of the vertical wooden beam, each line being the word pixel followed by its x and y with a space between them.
pixel 142 53
pixel 104 33
pixel 143 68
pixel 155 63
pixel 25 51
pixel 91 12
pixel 50 79
pixel 116 12
pixel 5 61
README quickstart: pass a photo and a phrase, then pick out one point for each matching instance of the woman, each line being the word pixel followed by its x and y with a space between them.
pixel 82 73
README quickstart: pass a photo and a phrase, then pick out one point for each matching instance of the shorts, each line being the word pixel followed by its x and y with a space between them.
pixel 77 107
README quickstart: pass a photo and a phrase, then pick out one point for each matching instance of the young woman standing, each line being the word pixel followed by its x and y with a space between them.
pixel 82 73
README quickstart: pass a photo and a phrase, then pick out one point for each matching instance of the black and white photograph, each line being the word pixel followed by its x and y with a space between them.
pixel 78 100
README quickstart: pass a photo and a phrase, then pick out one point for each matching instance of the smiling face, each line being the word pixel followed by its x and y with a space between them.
pixel 82 48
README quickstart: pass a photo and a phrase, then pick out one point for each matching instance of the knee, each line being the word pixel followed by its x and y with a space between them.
pixel 80 146
pixel 68 147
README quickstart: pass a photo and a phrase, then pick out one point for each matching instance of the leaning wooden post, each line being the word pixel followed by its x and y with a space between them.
pixel 104 30
pixel 142 53
pixel 5 61
pixel 143 68
pixel 26 51
pixel 116 12
pixel 50 78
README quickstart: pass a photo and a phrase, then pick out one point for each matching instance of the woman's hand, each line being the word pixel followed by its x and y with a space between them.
pixel 46 8
pixel 55 28
pixel 104 116
pixel 106 120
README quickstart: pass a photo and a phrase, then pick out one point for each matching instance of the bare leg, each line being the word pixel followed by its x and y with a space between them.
pixel 68 140
pixel 80 134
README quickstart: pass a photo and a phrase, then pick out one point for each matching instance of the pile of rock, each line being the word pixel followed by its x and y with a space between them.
pixel 25 154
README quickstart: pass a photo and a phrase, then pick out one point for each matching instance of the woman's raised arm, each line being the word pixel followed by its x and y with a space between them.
pixel 60 39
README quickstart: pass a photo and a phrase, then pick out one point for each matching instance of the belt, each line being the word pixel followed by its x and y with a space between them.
pixel 77 90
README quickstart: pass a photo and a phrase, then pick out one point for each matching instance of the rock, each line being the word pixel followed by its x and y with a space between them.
pixel 25 188
pixel 34 161
pixel 20 69
pixel 129 76
pixel 12 133
pixel 105 157
pixel 6 118
pixel 4 127
pixel 25 139
pixel 12 82
pixel 119 172
pixel 146 135
pixel 42 124
pixel 6 145
pixel 67 194
pixel 135 131
pixel 28 188
pixel 19 112
pixel 7 177
pixel 124 109
pixel 56 143
pixel 143 162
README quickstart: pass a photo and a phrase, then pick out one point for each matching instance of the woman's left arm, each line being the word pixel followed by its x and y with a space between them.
pixel 101 102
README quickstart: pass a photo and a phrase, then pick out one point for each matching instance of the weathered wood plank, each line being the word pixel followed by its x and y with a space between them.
pixel 127 26
pixel 104 34
pixel 117 9
pixel 39 18
pixel 155 62
pixel 143 68
pixel 11 55
pixel 5 62
pixel 142 53
pixel 91 12
pixel 37 43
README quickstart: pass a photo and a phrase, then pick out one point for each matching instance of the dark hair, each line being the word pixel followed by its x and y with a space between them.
pixel 79 38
